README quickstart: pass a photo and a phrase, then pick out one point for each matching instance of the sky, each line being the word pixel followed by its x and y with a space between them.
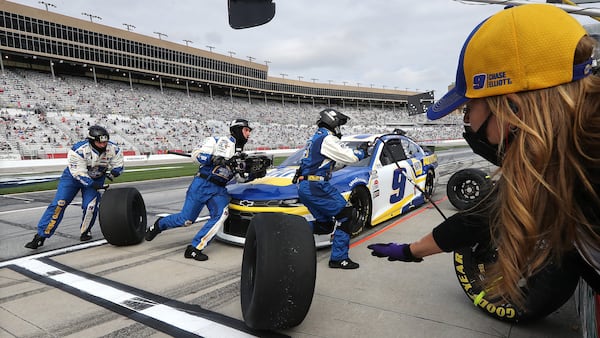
pixel 399 44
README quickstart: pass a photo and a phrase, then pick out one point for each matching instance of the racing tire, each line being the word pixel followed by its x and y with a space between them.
pixel 279 269
pixel 122 216
pixel 467 187
pixel 361 201
pixel 430 183
pixel 545 292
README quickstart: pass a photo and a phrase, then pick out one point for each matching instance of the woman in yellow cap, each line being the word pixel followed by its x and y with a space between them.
pixel 531 106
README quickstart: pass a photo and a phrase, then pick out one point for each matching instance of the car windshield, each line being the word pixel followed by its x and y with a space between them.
pixel 294 159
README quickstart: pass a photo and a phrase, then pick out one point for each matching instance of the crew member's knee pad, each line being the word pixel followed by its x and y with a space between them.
pixel 348 219
pixel 323 228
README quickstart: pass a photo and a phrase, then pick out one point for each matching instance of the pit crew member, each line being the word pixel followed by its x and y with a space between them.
pixel 90 161
pixel 208 188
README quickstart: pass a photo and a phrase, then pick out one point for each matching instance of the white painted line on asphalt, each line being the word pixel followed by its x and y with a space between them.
pixel 18 261
pixel 160 312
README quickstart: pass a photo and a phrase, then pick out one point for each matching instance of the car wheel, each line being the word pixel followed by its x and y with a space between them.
pixel 122 216
pixel 430 183
pixel 545 291
pixel 361 200
pixel 279 269
pixel 467 187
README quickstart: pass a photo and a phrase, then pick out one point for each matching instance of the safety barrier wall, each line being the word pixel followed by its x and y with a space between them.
pixel 21 166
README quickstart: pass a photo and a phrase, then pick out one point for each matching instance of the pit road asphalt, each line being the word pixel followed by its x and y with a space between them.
pixel 70 289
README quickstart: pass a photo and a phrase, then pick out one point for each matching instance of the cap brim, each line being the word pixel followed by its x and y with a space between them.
pixel 447 104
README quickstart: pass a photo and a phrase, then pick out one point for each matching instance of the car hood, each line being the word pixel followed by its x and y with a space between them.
pixel 277 184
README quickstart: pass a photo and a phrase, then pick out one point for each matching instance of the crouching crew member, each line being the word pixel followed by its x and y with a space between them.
pixel 89 162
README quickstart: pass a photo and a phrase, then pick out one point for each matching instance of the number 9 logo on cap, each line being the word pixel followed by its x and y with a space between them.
pixel 479 81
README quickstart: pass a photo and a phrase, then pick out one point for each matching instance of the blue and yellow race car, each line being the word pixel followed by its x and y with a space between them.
pixel 380 186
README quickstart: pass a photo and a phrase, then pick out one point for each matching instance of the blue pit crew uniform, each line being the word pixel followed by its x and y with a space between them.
pixel 322 199
pixel 86 171
pixel 207 189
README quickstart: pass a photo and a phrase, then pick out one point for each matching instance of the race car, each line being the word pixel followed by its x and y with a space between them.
pixel 380 186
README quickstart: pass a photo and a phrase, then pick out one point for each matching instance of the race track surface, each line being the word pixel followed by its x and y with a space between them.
pixel 94 289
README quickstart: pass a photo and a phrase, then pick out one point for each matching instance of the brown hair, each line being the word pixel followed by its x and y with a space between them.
pixel 551 165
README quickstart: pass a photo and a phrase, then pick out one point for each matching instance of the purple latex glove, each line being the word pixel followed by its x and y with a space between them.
pixel 394 252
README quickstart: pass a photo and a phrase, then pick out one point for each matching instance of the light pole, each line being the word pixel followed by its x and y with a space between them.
pixel 92 16
pixel 129 27
pixel 267 63
pixel 187 42
pixel 300 78
pixel 231 54
pixel 283 75
pixel 160 35
pixel 314 79
pixel 250 58
pixel 210 48
pixel 47 4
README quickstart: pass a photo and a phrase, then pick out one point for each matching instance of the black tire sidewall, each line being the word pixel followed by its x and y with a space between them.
pixel 122 216
pixel 456 185
pixel 430 183
pixel 364 209
pixel 278 271
pixel 546 291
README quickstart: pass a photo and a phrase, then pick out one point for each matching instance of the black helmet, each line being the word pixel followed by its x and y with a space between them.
pixel 238 124
pixel 235 128
pixel 332 120
pixel 97 133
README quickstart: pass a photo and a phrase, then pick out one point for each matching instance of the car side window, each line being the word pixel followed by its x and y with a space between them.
pixel 410 148
pixel 397 152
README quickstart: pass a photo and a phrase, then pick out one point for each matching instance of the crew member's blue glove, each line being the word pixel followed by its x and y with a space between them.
pixel 116 172
pixel 394 252
pixel 365 148
pixel 360 153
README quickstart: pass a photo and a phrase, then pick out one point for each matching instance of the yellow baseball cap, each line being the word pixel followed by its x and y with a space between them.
pixel 521 48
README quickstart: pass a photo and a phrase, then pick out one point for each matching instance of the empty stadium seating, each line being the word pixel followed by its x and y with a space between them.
pixel 42 116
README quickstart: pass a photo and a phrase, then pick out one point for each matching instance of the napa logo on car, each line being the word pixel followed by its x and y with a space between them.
pixel 417 166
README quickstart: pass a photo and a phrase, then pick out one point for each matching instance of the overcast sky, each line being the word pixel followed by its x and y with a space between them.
pixel 384 43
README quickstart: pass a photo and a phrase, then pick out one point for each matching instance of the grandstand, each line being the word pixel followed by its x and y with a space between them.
pixel 60 75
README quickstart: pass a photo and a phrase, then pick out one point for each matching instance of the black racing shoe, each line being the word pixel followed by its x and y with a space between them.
pixel 36 242
pixel 153 230
pixel 191 252
pixel 346 264
pixel 86 236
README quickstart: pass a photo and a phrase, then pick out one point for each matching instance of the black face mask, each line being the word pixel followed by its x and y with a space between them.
pixel 98 149
pixel 240 140
pixel 478 141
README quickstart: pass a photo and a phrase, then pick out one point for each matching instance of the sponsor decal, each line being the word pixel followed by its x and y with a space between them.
pixel 357 180
pixel 501 311
pixel 417 166
pixel 482 81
